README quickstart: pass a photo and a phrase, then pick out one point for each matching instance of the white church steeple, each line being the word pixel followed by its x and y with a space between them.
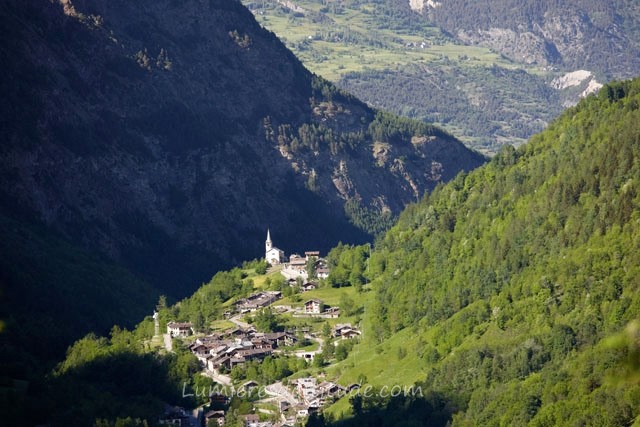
pixel 268 244
pixel 272 254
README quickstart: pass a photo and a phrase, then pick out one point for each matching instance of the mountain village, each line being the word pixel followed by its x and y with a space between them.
pixel 220 352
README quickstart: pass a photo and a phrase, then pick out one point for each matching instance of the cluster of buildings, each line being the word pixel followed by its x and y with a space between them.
pixel 179 329
pixel 238 346
pixel 296 266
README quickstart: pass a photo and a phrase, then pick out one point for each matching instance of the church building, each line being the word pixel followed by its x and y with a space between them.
pixel 273 255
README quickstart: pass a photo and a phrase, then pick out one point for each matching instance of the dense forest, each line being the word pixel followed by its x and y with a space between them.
pixel 487 105
pixel 521 270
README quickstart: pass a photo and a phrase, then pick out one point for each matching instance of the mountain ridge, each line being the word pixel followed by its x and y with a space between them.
pixel 160 126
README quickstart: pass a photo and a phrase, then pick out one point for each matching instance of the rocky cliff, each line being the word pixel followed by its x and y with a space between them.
pixel 575 34
pixel 168 136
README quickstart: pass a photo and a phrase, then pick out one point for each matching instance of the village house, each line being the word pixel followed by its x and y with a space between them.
pixel 316 395
pixel 309 286
pixel 345 331
pixel 258 300
pixel 179 329
pixel 349 334
pixel 312 254
pixel 217 416
pixel 279 339
pixel 303 411
pixel 295 268
pixel 322 272
pixel 307 388
pixel 313 306
pixel 328 388
pixel 296 260
pixel 251 420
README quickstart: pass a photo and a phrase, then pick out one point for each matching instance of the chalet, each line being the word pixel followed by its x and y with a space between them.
pixel 338 328
pixel 278 339
pixel 251 420
pixel 309 286
pixel 262 343
pixel 179 329
pixel 307 388
pixel 252 353
pixel 296 260
pixel 350 333
pixel 259 300
pixel 214 416
pixel 328 388
pixel 313 306
pixel 345 331
pixel 215 363
pixel 312 254
pixel 331 313
pixel 322 272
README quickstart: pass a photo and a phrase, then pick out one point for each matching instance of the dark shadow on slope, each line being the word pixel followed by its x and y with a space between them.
pixel 416 408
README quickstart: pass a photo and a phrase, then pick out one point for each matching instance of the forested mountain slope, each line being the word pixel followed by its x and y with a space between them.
pixel 503 286
pixel 509 296
pixel 170 136
pixel 436 61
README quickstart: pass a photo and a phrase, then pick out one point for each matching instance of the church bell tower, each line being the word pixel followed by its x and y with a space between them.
pixel 267 244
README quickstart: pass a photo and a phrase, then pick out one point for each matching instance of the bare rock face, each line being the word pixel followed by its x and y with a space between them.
pixel 573 34
pixel 168 136
pixel 525 47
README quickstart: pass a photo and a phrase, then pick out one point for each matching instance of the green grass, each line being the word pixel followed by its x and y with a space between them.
pixel 259 280
pixel 369 48
pixel 330 296
pixel 380 364
pixel 222 325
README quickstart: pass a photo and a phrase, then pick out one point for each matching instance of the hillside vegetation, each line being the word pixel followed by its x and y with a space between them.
pixel 507 283
pixel 508 297
pixel 410 63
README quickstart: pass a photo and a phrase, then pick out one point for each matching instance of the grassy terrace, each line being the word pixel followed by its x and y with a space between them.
pixel 352 38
